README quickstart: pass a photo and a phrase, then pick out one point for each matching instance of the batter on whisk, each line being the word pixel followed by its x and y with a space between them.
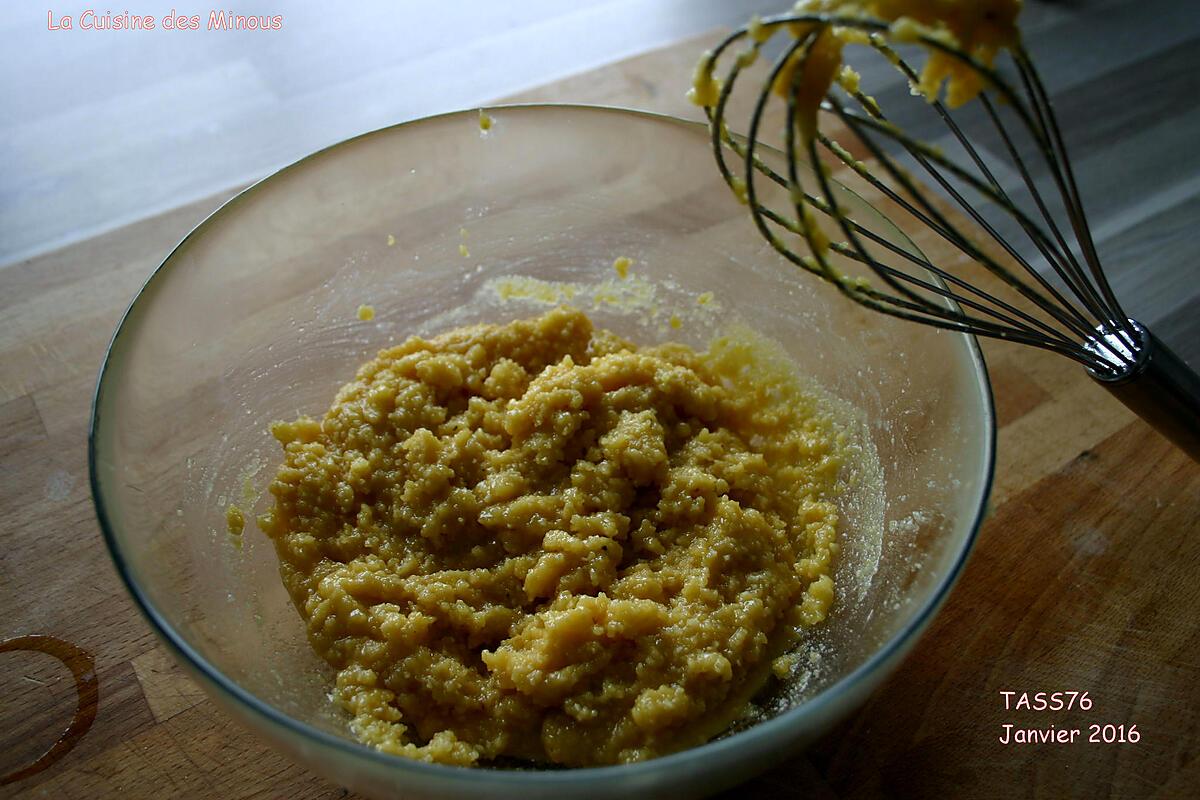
pixel 976 28
pixel 1081 318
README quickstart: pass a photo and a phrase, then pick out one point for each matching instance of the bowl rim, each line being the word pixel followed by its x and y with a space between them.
pixel 742 742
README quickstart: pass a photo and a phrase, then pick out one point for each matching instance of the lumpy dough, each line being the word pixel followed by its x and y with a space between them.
pixel 537 540
pixel 979 28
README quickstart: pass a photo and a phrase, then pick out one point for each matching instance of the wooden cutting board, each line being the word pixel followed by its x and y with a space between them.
pixel 1084 577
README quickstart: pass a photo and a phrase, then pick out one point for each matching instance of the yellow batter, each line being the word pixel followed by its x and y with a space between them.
pixel 980 28
pixel 538 540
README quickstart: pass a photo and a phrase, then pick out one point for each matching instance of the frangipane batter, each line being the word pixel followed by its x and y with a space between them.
pixel 540 541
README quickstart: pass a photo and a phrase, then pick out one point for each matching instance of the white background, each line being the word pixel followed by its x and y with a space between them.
pixel 101 128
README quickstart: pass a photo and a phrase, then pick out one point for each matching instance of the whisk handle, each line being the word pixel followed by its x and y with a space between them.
pixel 1162 390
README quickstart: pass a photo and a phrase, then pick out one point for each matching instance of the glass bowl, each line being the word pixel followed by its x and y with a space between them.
pixel 252 318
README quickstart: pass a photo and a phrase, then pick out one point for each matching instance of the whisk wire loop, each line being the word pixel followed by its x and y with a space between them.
pixel 1061 311
pixel 1052 322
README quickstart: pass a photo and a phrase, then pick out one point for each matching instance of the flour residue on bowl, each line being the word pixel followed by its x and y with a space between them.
pixel 628 292
pixel 655 304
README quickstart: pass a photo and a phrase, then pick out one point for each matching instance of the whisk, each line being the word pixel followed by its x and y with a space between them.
pixel 1077 316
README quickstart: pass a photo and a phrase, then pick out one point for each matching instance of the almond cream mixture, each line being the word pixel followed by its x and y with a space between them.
pixel 540 541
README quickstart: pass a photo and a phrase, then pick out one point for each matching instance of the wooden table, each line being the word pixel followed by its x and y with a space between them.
pixel 1084 577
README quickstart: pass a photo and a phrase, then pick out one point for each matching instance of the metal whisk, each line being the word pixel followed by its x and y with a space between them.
pixel 1077 316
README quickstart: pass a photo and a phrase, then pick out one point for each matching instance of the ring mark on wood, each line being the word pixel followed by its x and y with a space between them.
pixel 87 687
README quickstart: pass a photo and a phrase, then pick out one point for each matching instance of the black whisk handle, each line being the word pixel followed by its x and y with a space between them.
pixel 1161 389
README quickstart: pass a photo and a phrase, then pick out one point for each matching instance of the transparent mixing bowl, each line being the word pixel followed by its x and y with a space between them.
pixel 253 318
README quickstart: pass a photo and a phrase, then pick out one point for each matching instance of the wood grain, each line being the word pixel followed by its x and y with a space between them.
pixel 1083 577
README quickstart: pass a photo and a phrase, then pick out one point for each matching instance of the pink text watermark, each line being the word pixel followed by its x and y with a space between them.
pixel 214 20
